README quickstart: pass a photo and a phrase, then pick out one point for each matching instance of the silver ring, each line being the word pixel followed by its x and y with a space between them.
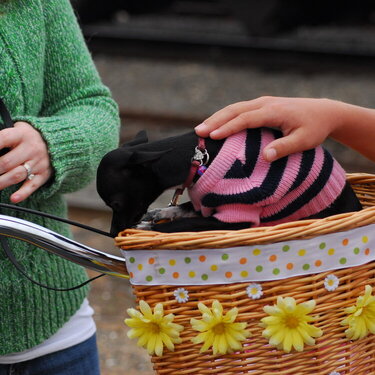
pixel 30 175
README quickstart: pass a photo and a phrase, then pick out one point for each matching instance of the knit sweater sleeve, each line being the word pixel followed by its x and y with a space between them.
pixel 78 119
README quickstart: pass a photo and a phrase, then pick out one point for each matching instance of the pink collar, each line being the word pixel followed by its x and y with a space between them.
pixel 198 162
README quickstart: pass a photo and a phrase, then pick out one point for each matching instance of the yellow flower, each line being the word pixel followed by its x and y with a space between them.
pixel 218 330
pixel 153 329
pixel 361 316
pixel 288 325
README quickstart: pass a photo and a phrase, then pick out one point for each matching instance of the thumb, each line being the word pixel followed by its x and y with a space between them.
pixel 286 145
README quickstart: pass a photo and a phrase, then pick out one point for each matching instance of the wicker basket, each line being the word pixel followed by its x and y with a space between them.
pixel 332 352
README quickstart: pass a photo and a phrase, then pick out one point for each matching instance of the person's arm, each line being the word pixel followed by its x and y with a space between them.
pixel 305 123
pixel 357 130
pixel 79 120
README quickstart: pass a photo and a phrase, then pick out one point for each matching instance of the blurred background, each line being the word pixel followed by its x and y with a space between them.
pixel 172 63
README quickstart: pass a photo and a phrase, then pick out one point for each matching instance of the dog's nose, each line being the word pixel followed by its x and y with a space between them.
pixel 118 226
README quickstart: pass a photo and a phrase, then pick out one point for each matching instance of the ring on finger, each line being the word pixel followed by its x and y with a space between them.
pixel 29 171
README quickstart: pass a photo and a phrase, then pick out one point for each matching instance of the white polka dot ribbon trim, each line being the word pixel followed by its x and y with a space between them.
pixel 252 263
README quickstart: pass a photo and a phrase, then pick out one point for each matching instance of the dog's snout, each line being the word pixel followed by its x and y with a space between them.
pixel 117 225
pixel 121 221
pixel 114 232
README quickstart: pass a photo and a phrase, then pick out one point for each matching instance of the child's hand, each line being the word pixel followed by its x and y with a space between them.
pixel 305 122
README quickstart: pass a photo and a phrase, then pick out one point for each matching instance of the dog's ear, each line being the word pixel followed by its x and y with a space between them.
pixel 141 137
pixel 143 157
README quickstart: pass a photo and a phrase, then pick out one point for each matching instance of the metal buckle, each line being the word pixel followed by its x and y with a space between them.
pixel 200 156
pixel 176 196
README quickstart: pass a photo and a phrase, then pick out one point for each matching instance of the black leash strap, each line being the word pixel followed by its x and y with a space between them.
pixel 8 123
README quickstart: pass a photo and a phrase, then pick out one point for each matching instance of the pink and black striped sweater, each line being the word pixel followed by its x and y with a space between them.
pixel 240 186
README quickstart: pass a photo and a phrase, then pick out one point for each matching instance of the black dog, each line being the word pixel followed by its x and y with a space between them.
pixel 133 176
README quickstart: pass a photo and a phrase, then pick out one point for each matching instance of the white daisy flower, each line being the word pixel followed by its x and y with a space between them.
pixel 254 291
pixel 331 282
pixel 181 295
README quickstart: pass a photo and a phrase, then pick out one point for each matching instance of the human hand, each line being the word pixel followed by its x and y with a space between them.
pixel 26 146
pixel 304 122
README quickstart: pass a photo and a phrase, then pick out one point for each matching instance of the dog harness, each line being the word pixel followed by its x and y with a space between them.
pixel 241 186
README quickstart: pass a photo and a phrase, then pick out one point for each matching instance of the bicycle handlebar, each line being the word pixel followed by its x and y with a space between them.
pixel 62 246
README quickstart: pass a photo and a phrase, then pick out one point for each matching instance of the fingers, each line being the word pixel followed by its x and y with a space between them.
pixel 14 158
pixel 10 137
pixel 226 115
pixel 24 142
pixel 245 120
pixel 296 141
pixel 28 187
pixel 38 175
pixel 13 177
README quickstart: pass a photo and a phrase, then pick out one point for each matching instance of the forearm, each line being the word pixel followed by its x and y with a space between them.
pixel 356 129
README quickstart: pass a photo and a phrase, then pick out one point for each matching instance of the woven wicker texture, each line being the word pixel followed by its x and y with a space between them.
pixel 332 352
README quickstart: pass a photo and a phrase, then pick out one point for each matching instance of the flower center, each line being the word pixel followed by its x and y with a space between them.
pixel 154 328
pixel 219 329
pixel 291 321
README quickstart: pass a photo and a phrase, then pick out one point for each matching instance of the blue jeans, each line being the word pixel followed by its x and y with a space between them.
pixel 81 359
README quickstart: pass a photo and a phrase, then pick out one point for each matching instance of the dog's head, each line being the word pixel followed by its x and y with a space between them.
pixel 126 183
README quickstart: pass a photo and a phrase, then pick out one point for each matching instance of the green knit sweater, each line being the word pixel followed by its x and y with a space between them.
pixel 48 79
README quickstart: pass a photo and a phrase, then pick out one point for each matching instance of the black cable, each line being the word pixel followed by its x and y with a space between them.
pixel 53 217
pixel 10 255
